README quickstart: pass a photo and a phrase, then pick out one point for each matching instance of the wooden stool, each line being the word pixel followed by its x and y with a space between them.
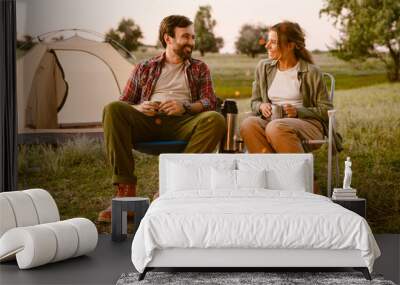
pixel 119 217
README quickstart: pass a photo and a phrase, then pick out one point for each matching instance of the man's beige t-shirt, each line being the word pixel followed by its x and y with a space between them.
pixel 172 84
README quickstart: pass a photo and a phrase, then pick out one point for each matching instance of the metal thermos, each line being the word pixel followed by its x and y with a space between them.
pixel 230 111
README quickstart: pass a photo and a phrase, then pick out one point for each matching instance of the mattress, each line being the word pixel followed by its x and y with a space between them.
pixel 250 219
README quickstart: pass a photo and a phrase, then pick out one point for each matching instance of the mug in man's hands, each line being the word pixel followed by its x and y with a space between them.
pixel 156 105
pixel 276 111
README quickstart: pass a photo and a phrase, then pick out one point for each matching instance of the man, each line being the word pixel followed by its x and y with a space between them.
pixel 168 97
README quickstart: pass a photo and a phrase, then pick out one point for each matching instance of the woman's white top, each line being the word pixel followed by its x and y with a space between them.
pixel 285 88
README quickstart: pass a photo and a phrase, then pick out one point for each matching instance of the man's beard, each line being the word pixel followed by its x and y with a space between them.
pixel 182 53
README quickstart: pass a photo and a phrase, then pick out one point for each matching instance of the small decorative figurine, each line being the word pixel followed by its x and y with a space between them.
pixel 347 174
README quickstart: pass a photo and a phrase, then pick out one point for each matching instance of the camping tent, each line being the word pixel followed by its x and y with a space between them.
pixel 67 83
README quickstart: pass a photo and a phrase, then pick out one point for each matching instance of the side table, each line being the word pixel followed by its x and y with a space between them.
pixel 119 217
pixel 358 206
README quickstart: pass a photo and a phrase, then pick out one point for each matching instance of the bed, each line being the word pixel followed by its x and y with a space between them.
pixel 246 211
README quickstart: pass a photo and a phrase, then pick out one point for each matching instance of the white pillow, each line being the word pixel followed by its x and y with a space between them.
pixel 227 179
pixel 290 179
pixel 280 174
pixel 183 177
pixel 251 178
pixel 223 179
pixel 189 175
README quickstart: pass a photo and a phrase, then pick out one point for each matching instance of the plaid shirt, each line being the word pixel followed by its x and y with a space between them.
pixel 144 78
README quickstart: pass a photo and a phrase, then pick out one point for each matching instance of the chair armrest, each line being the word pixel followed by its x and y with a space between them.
pixel 332 113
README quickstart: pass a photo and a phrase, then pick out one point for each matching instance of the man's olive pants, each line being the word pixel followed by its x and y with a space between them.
pixel 124 126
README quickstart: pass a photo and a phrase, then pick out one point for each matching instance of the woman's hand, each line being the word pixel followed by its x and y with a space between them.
pixel 266 110
pixel 289 111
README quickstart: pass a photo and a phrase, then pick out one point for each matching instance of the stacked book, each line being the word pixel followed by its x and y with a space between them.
pixel 344 194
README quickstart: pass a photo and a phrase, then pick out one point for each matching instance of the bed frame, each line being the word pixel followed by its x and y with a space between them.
pixel 245 259
pixel 242 259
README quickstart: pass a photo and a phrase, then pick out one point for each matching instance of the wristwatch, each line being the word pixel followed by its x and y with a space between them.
pixel 188 107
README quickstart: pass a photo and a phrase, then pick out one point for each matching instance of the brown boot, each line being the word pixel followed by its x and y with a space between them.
pixel 123 190
pixel 126 190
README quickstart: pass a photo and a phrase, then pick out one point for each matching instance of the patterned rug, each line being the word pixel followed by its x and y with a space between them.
pixel 244 278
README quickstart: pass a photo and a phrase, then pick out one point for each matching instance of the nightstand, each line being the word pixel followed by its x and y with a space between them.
pixel 119 217
pixel 358 206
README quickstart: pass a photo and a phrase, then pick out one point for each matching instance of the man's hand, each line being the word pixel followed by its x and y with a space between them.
pixel 289 111
pixel 148 108
pixel 266 110
pixel 172 108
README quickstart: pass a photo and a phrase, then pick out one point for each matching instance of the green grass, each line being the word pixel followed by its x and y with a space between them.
pixel 78 176
pixel 368 118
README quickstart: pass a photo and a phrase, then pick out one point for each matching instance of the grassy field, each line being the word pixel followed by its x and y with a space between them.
pixel 78 176
pixel 234 74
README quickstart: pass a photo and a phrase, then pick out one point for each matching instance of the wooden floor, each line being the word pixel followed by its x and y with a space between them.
pixel 103 266
pixel 110 259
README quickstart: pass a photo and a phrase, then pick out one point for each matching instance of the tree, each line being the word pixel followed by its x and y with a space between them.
pixel 127 34
pixel 251 40
pixel 26 43
pixel 369 28
pixel 204 25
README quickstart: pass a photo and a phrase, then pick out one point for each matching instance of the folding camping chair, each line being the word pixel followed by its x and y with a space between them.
pixel 158 147
pixel 166 146
pixel 332 152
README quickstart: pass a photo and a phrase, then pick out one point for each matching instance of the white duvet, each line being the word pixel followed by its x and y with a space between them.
pixel 256 218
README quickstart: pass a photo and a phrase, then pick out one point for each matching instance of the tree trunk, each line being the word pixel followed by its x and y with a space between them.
pixel 393 69
pixel 202 52
pixel 396 71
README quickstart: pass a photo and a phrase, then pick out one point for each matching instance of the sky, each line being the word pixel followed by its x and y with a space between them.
pixel 35 17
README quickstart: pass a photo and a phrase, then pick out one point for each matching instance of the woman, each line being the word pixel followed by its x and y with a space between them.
pixel 291 80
